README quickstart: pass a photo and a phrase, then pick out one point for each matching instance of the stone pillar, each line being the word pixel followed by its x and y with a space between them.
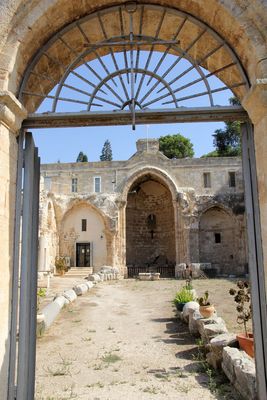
pixel 256 106
pixel 11 116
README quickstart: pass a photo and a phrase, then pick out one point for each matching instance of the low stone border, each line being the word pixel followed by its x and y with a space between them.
pixel 222 349
pixel 50 312
pixel 149 276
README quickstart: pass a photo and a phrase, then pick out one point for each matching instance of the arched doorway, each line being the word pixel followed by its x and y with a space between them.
pixel 150 228
pixel 215 17
pixel 83 237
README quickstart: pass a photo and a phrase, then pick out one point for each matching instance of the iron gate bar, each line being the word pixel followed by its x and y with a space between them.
pixel 25 276
pixel 256 264
pixel 34 275
pixel 15 273
pixel 123 117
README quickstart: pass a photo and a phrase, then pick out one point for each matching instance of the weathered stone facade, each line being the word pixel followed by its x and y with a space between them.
pixel 25 28
pixel 146 210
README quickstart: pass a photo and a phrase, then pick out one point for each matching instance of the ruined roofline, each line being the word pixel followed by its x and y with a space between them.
pixel 187 162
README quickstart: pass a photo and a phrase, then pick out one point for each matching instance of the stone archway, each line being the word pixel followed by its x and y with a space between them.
pixel 82 223
pixel 27 27
pixel 150 227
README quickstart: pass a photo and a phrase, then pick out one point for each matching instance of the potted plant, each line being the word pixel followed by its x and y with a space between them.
pixel 60 266
pixel 206 309
pixel 244 314
pixel 182 297
pixel 189 286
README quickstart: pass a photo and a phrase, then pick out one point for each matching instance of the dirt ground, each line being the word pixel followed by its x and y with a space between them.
pixel 123 341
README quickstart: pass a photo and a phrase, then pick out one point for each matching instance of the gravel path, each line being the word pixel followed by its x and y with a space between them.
pixel 122 341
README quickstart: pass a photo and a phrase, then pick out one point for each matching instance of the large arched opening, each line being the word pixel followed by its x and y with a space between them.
pixel 150 228
pixel 230 21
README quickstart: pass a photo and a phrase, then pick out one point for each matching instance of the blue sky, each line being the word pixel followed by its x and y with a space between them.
pixel 65 144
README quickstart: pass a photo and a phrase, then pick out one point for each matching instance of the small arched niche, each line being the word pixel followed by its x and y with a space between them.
pixel 150 228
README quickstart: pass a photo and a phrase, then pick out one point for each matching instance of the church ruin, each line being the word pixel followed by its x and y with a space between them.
pixel 146 212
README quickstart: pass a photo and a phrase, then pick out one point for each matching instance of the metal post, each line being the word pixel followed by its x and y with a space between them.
pixel 26 264
pixel 34 276
pixel 256 267
pixel 15 274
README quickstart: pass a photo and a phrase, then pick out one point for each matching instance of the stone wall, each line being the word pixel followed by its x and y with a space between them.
pixel 150 225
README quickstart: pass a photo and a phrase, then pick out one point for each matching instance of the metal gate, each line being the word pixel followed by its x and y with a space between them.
pixel 24 292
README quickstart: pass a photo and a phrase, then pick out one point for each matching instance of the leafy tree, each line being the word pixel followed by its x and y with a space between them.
pixel 176 146
pixel 106 154
pixel 82 157
pixel 227 141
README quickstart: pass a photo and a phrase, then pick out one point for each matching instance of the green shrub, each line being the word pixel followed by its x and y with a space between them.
pixel 183 296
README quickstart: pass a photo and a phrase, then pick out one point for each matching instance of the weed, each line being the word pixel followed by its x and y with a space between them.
pixel 110 358
pixel 91 330
pixel 151 390
pixel 86 339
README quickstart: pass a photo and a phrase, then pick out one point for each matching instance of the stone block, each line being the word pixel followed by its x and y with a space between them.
pixel 216 345
pixel 70 295
pixel 155 276
pixel 80 289
pixel 211 327
pixel 194 316
pixel 180 270
pixel 50 313
pixel 230 355
pixel 191 305
pixel 90 285
pixel 144 276
pixel 61 301
pixel 40 325
pixel 240 370
pixel 94 278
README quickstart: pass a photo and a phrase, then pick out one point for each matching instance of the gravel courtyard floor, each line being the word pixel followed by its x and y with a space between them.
pixel 123 341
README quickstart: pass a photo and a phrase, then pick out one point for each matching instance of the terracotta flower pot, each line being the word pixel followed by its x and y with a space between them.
pixel 206 311
pixel 246 343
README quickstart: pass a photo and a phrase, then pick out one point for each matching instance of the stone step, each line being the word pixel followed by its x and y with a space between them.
pixel 73 272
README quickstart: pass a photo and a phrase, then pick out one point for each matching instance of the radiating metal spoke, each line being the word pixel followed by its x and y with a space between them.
pixel 191 83
pixel 174 64
pixel 207 93
pixel 92 70
pixel 150 53
pixel 95 51
pixel 112 56
pixel 138 48
pixel 124 50
pixel 175 36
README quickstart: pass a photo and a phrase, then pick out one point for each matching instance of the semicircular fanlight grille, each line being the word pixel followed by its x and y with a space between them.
pixel 132 58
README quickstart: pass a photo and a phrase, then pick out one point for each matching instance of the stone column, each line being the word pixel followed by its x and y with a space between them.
pixel 256 106
pixel 11 116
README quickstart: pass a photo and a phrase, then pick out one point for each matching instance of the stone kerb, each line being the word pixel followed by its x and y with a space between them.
pixel 222 350
pixel 50 312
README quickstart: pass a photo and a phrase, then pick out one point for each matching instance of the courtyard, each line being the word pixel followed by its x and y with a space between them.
pixel 123 341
